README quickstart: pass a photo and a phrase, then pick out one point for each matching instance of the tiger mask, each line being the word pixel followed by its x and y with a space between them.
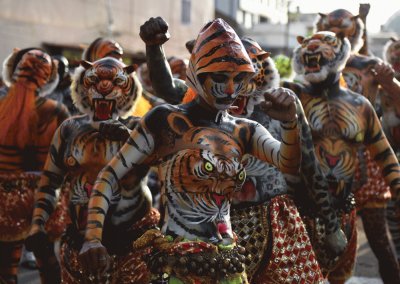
pixel 15 68
pixel 391 54
pixel 342 21
pixel 266 77
pixel 105 89
pixel 319 55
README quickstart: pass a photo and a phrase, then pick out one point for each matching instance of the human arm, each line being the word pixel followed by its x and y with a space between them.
pixel 136 151
pixel 154 33
pixel 285 155
pixel 45 197
pixel 384 75
pixel 381 151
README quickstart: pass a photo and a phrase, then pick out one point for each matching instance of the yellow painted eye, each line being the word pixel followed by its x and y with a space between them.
pixel 242 175
pixel 208 166
pixel 359 137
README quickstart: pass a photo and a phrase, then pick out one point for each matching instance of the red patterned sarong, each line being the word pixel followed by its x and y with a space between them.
pixel 292 258
pixel 126 268
pixel 374 192
pixel 16 207
pixel 345 266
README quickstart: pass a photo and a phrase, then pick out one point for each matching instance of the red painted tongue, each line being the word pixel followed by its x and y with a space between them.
pixel 222 228
pixel 218 199
pixel 238 105
pixel 103 111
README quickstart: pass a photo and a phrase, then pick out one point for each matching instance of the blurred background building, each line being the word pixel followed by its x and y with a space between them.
pixel 66 27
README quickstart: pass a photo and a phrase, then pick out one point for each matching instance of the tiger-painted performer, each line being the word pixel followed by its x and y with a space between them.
pixel 365 74
pixel 391 124
pixel 104 47
pixel 28 122
pixel 341 122
pixel 265 190
pixel 198 148
pixel 81 147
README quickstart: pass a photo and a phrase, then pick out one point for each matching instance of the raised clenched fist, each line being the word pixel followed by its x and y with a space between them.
pixel 154 31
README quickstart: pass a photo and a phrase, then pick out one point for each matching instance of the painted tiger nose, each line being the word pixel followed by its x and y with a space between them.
pixel 312 46
pixel 105 87
pixel 229 90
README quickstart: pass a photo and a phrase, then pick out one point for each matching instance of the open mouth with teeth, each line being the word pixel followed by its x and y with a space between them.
pixel 313 62
pixel 103 109
pixel 239 106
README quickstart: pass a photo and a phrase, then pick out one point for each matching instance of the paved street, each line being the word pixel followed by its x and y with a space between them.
pixel 366 271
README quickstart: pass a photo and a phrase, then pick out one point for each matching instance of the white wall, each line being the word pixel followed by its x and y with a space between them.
pixel 27 23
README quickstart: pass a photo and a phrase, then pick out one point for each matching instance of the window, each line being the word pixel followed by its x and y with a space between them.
pixel 185 16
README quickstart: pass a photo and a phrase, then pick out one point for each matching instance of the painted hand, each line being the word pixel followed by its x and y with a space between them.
pixel 383 73
pixel 280 104
pixel 336 242
pixel 94 259
pixel 154 31
pixel 114 130
pixel 39 243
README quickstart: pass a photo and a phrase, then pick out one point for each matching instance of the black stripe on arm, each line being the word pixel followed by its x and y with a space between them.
pixel 375 139
pixel 45 205
pixel 122 159
pixel 97 210
pixel 395 183
pixel 38 221
pixel 383 155
pixel 289 125
pixel 96 224
pixel 141 131
pixel 136 146
pixel 113 173
pixel 99 194
pixel 55 179
pixel 47 189
pixel 390 169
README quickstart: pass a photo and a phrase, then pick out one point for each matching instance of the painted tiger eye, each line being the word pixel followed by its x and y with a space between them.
pixel 359 137
pixel 208 166
pixel 242 175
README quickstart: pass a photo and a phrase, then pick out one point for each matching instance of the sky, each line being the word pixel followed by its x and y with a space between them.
pixel 380 11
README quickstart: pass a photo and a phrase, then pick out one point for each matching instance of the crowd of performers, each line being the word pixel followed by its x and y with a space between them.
pixel 207 170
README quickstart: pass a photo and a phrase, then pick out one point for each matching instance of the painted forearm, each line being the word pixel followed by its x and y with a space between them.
pixel 164 84
pixel 383 154
pixel 99 202
pixel 285 155
pixel 45 197
pixel 290 156
pixel 392 89
pixel 135 151
pixel 51 179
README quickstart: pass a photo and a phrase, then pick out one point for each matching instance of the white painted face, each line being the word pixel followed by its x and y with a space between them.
pixel 319 55
pixel 220 89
